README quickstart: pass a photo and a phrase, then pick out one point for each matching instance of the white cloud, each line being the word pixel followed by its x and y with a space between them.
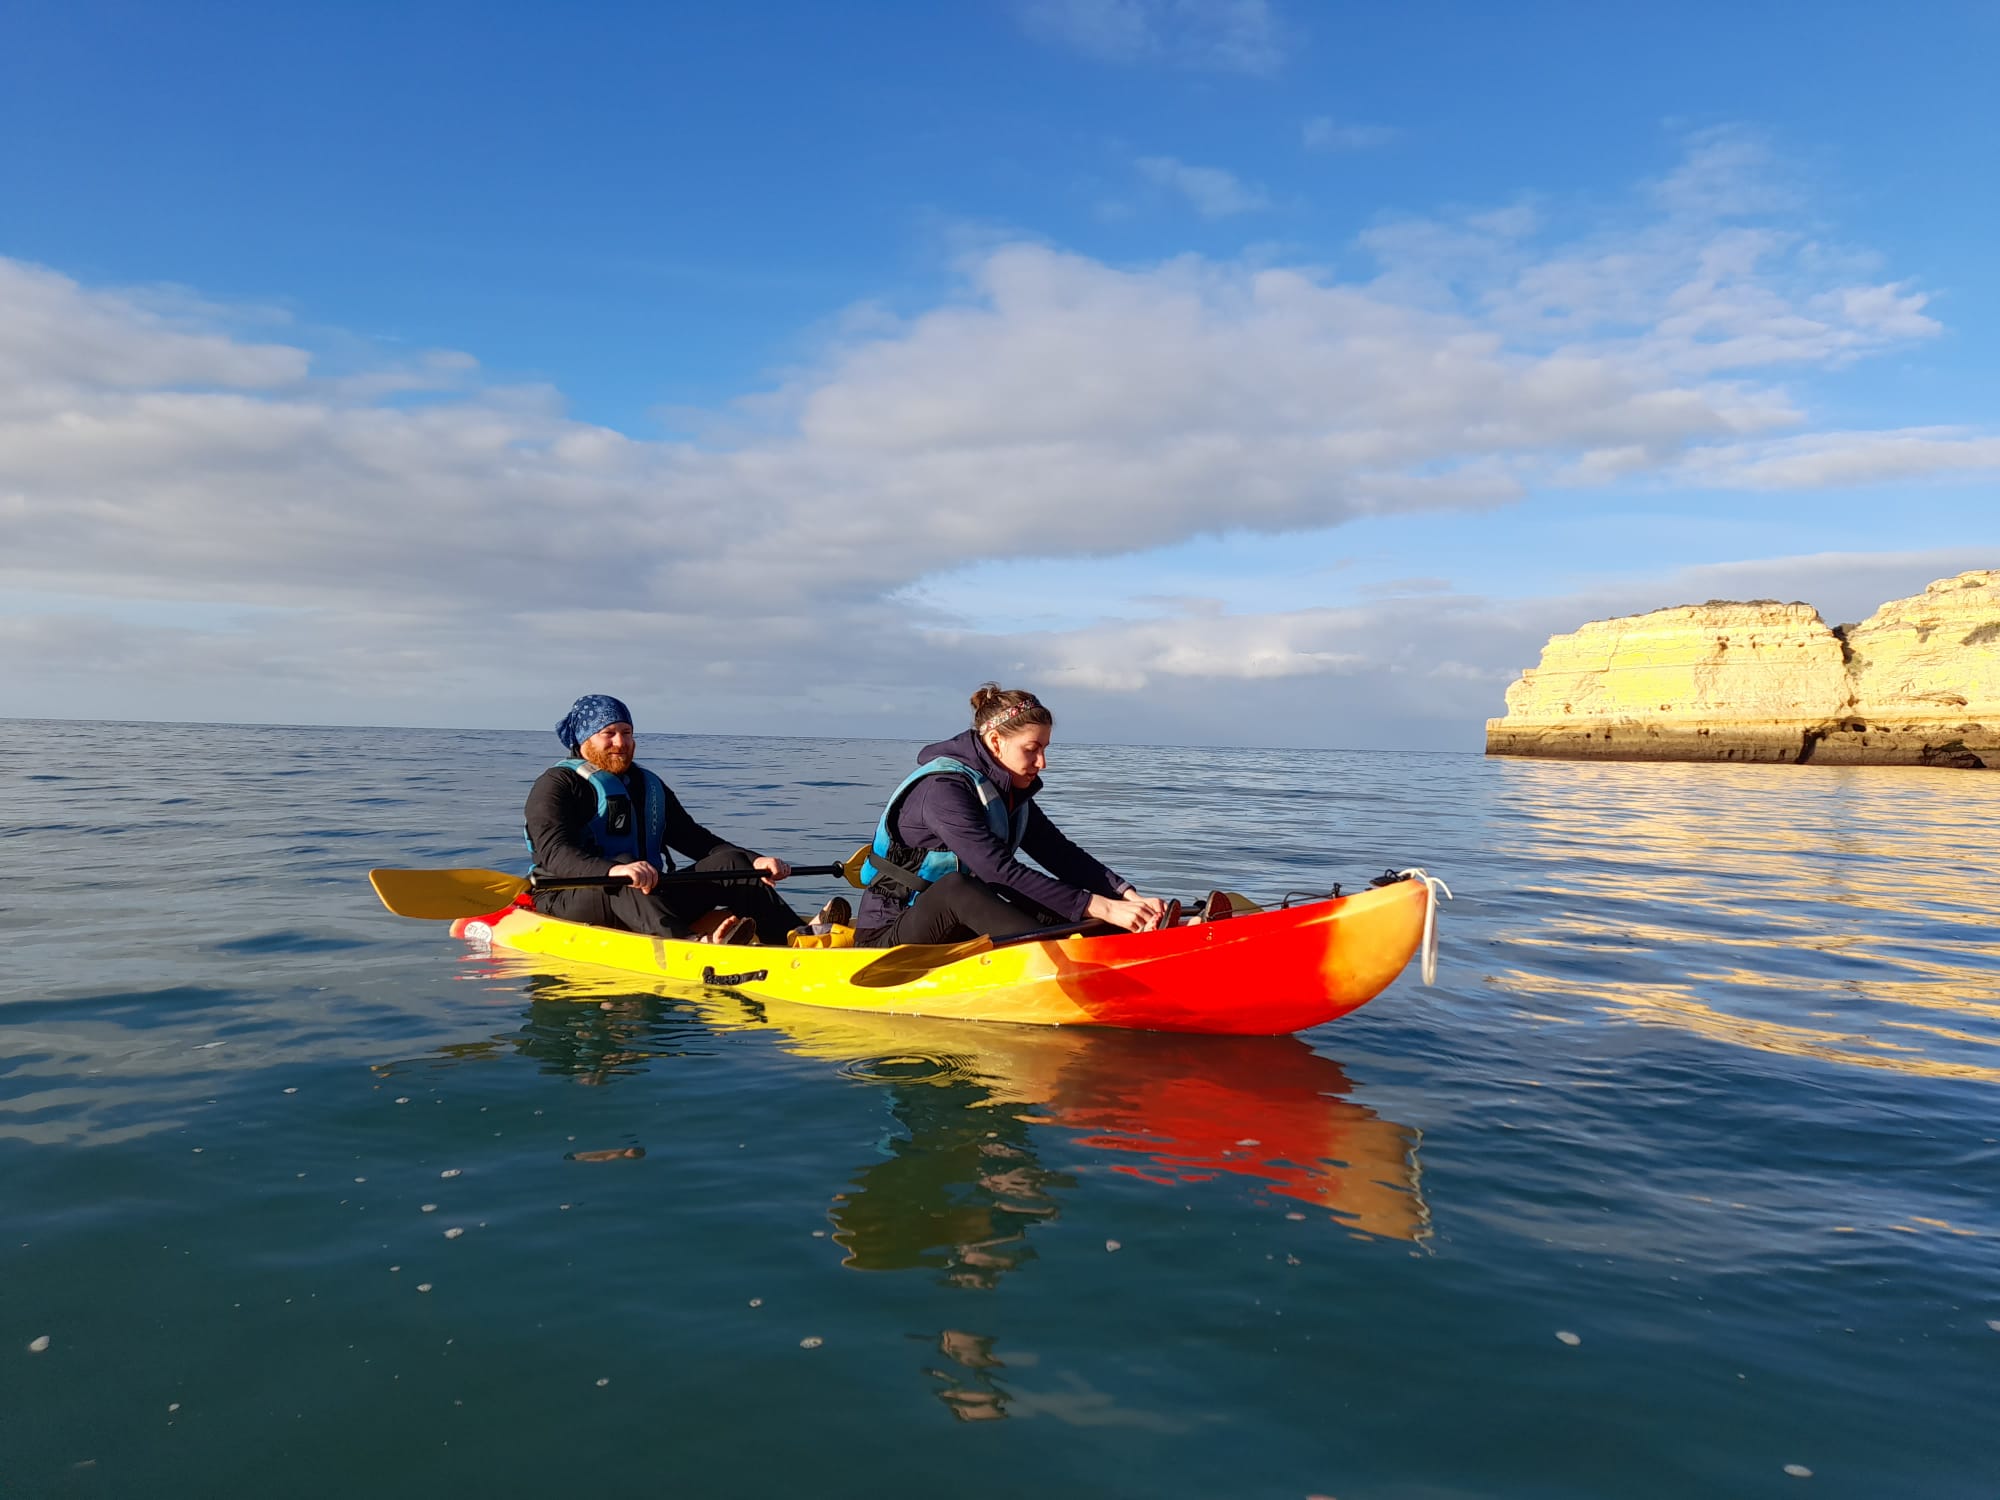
pixel 1229 36
pixel 56 340
pixel 1827 460
pixel 1727 172
pixel 418 559
pixel 1324 133
pixel 1214 192
pixel 1133 654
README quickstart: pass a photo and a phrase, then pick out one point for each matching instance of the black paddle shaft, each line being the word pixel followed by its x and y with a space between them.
pixel 677 877
pixel 1090 927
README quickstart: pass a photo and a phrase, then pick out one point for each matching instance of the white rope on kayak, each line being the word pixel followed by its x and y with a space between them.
pixel 1432 885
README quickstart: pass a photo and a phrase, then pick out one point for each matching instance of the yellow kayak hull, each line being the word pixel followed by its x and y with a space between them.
pixel 1262 974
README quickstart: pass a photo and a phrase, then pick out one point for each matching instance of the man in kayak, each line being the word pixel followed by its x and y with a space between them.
pixel 945 862
pixel 602 813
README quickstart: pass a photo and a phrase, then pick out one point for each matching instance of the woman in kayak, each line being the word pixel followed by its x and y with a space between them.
pixel 945 862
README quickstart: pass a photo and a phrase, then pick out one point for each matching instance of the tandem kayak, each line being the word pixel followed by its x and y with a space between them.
pixel 1257 974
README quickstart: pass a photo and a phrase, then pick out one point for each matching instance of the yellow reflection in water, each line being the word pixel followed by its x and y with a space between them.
pixel 1742 903
pixel 1674 1005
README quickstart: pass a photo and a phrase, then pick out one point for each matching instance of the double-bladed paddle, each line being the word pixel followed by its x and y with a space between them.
pixel 445 895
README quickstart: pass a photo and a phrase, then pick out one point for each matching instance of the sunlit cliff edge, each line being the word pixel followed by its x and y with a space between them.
pixel 1916 683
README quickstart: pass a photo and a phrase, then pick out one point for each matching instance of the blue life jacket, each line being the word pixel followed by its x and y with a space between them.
pixel 612 829
pixel 891 862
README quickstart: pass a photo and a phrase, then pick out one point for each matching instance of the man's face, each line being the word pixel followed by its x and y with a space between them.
pixel 611 748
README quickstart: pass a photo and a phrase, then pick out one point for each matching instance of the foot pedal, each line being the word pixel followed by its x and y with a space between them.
pixel 1222 904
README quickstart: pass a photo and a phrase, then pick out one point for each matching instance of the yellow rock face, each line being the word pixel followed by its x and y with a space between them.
pixel 1692 664
pixel 1917 683
pixel 1934 656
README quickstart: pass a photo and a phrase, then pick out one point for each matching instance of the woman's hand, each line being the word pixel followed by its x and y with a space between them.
pixel 774 869
pixel 642 875
pixel 1132 911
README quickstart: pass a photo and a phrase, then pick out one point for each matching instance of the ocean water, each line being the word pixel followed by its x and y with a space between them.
pixel 1682 1180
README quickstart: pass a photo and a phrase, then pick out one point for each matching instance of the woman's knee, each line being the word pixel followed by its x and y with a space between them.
pixel 956 883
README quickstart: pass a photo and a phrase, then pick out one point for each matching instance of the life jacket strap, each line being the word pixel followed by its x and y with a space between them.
pixel 895 875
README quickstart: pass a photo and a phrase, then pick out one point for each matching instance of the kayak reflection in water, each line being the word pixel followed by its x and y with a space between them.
pixel 960 1181
pixel 957 1188
pixel 602 813
pixel 596 1043
pixel 961 1186
pixel 945 864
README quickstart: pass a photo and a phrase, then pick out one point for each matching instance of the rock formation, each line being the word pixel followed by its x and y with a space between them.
pixel 1916 683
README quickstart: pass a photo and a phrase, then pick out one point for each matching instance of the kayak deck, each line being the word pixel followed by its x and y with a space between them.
pixel 1261 974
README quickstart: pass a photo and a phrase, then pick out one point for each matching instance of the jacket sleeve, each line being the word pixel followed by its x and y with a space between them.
pixel 1049 847
pixel 560 807
pixel 685 836
pixel 947 807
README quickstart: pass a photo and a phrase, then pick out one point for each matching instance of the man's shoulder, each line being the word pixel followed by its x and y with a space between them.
pixel 564 782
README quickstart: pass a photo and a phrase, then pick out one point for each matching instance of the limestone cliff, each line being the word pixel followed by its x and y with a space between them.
pixel 1917 683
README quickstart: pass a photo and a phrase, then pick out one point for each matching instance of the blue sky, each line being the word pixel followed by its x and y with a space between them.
pixel 1231 370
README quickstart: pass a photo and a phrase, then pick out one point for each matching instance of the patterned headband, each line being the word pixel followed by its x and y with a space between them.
pixel 1009 714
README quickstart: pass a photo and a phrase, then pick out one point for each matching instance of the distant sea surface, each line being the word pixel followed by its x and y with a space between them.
pixel 1682 1180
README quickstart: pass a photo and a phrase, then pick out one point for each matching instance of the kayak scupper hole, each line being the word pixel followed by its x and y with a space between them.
pixel 908 1067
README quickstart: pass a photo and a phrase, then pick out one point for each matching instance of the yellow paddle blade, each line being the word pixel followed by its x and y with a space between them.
pixel 850 868
pixel 913 961
pixel 444 895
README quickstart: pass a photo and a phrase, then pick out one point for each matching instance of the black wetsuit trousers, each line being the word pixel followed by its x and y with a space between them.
pixel 670 910
pixel 954 908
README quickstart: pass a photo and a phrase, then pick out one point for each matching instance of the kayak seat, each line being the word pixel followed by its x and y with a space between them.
pixel 836 935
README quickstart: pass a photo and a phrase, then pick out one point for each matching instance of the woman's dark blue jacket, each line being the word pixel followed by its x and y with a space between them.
pixel 943 812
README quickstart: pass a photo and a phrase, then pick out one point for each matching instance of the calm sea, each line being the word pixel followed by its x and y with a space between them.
pixel 1681 1181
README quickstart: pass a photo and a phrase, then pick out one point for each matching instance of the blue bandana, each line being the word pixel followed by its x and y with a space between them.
pixel 589 714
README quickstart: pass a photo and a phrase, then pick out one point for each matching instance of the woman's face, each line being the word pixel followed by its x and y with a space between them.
pixel 1023 753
